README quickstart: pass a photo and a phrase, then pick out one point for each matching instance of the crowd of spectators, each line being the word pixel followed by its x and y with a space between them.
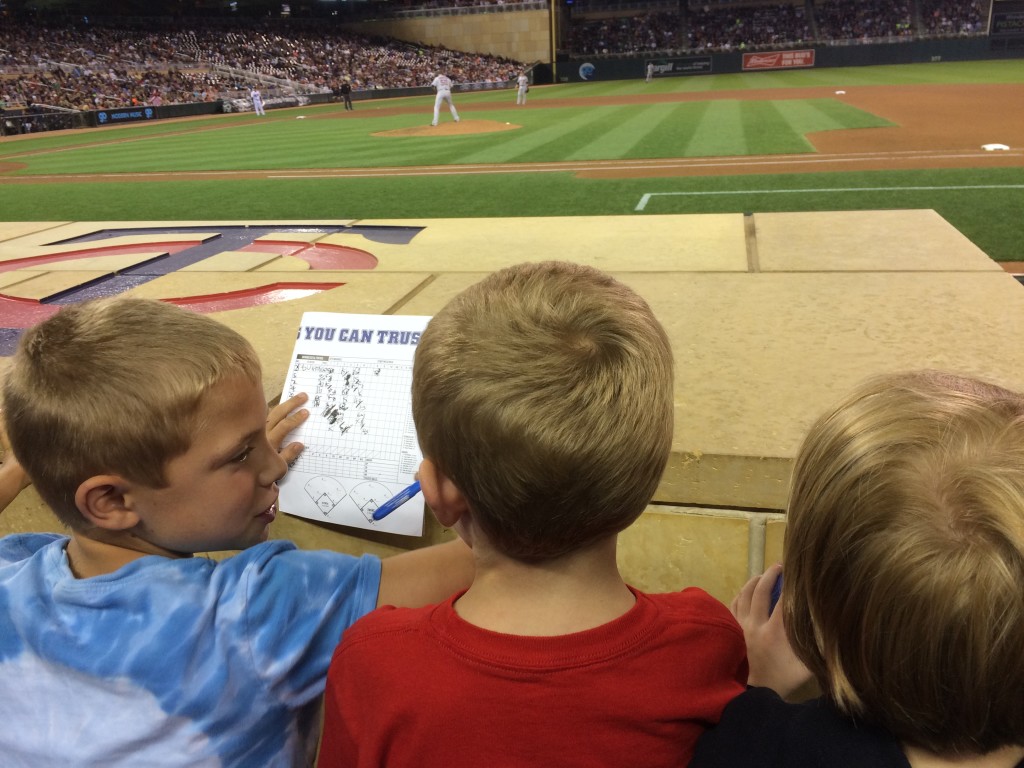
pixel 626 34
pixel 81 88
pixel 718 28
pixel 319 60
pixel 954 17
pixel 102 67
pixel 728 25
pixel 863 20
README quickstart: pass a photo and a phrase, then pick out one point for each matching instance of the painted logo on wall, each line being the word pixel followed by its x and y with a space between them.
pixel 169 249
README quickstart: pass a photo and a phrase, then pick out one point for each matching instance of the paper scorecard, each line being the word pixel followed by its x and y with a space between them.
pixel 360 442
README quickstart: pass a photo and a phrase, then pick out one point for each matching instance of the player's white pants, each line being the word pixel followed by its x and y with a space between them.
pixel 444 96
pixel 521 95
pixel 258 107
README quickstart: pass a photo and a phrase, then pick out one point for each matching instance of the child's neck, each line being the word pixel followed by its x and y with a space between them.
pixel 100 552
pixel 574 593
pixel 1004 757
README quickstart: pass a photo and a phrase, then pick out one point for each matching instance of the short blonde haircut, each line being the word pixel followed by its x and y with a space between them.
pixel 545 393
pixel 113 387
pixel 904 560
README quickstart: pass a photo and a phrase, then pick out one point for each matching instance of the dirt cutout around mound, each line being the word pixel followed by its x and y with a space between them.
pixel 462 128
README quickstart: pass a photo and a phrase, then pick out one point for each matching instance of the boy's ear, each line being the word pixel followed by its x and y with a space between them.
pixel 442 495
pixel 102 502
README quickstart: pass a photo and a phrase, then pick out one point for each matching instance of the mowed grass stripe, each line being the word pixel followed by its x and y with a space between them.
pixel 226 149
pixel 766 129
pixel 58 141
pixel 551 136
pixel 621 139
pixel 719 132
pixel 271 145
pixel 671 137
pixel 830 114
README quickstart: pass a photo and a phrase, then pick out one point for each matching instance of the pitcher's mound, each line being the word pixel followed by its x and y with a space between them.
pixel 451 128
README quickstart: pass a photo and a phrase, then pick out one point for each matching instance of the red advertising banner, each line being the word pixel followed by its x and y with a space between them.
pixel 778 60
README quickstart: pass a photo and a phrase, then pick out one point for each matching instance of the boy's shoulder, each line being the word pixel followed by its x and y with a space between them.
pixel 264 572
pixel 694 604
pixel 21 546
pixel 389 619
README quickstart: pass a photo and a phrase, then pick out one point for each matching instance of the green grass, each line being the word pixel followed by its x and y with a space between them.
pixel 324 140
pixel 602 129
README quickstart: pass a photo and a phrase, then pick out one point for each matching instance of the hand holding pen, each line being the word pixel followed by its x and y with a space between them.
pixel 396 501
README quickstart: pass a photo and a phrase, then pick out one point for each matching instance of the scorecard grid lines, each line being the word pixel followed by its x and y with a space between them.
pixel 365 420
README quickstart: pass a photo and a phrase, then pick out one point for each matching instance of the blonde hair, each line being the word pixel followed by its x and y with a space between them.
pixel 545 393
pixel 113 386
pixel 904 559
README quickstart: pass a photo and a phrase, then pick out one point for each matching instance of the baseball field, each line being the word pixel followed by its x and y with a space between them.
pixel 944 136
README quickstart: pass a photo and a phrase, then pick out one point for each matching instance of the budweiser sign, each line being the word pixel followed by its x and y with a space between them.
pixel 778 60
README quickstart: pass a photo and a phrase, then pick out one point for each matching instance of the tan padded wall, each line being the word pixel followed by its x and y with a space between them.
pixel 519 35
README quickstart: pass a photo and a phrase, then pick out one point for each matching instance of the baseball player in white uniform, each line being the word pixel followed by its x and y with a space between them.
pixel 257 101
pixel 443 84
pixel 524 86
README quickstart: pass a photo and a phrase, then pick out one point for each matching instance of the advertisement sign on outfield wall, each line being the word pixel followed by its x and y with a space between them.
pixel 124 115
pixel 115 116
pixel 778 60
pixel 1007 23
pixel 694 65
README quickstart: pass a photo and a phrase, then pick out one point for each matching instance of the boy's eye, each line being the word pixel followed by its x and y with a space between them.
pixel 239 458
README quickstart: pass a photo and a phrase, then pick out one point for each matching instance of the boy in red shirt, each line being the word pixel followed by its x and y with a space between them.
pixel 543 401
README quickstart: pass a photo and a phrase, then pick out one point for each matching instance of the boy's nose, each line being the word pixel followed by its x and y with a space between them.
pixel 274 469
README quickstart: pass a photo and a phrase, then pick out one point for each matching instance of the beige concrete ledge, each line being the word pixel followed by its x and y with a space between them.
pixel 772 318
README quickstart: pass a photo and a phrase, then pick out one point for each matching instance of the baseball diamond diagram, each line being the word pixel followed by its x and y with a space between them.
pixel 360 441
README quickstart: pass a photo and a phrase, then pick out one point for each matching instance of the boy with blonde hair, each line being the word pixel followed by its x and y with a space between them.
pixel 903 590
pixel 145 429
pixel 543 402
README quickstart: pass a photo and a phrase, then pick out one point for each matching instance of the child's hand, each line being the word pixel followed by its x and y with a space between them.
pixel 283 419
pixel 772 661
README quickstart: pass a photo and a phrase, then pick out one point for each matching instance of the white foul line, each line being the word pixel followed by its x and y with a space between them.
pixel 648 195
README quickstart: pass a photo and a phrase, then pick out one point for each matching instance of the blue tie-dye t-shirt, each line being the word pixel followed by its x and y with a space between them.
pixel 170 662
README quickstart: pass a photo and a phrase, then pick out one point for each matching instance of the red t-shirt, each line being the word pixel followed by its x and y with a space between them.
pixel 422 687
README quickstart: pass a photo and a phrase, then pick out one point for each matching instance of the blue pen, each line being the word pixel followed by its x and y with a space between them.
pixel 396 501
pixel 776 594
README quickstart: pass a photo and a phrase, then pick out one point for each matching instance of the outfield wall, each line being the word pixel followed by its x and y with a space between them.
pixel 581 69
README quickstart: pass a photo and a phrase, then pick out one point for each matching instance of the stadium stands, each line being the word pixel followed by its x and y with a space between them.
pixel 101 66
pixel 623 27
